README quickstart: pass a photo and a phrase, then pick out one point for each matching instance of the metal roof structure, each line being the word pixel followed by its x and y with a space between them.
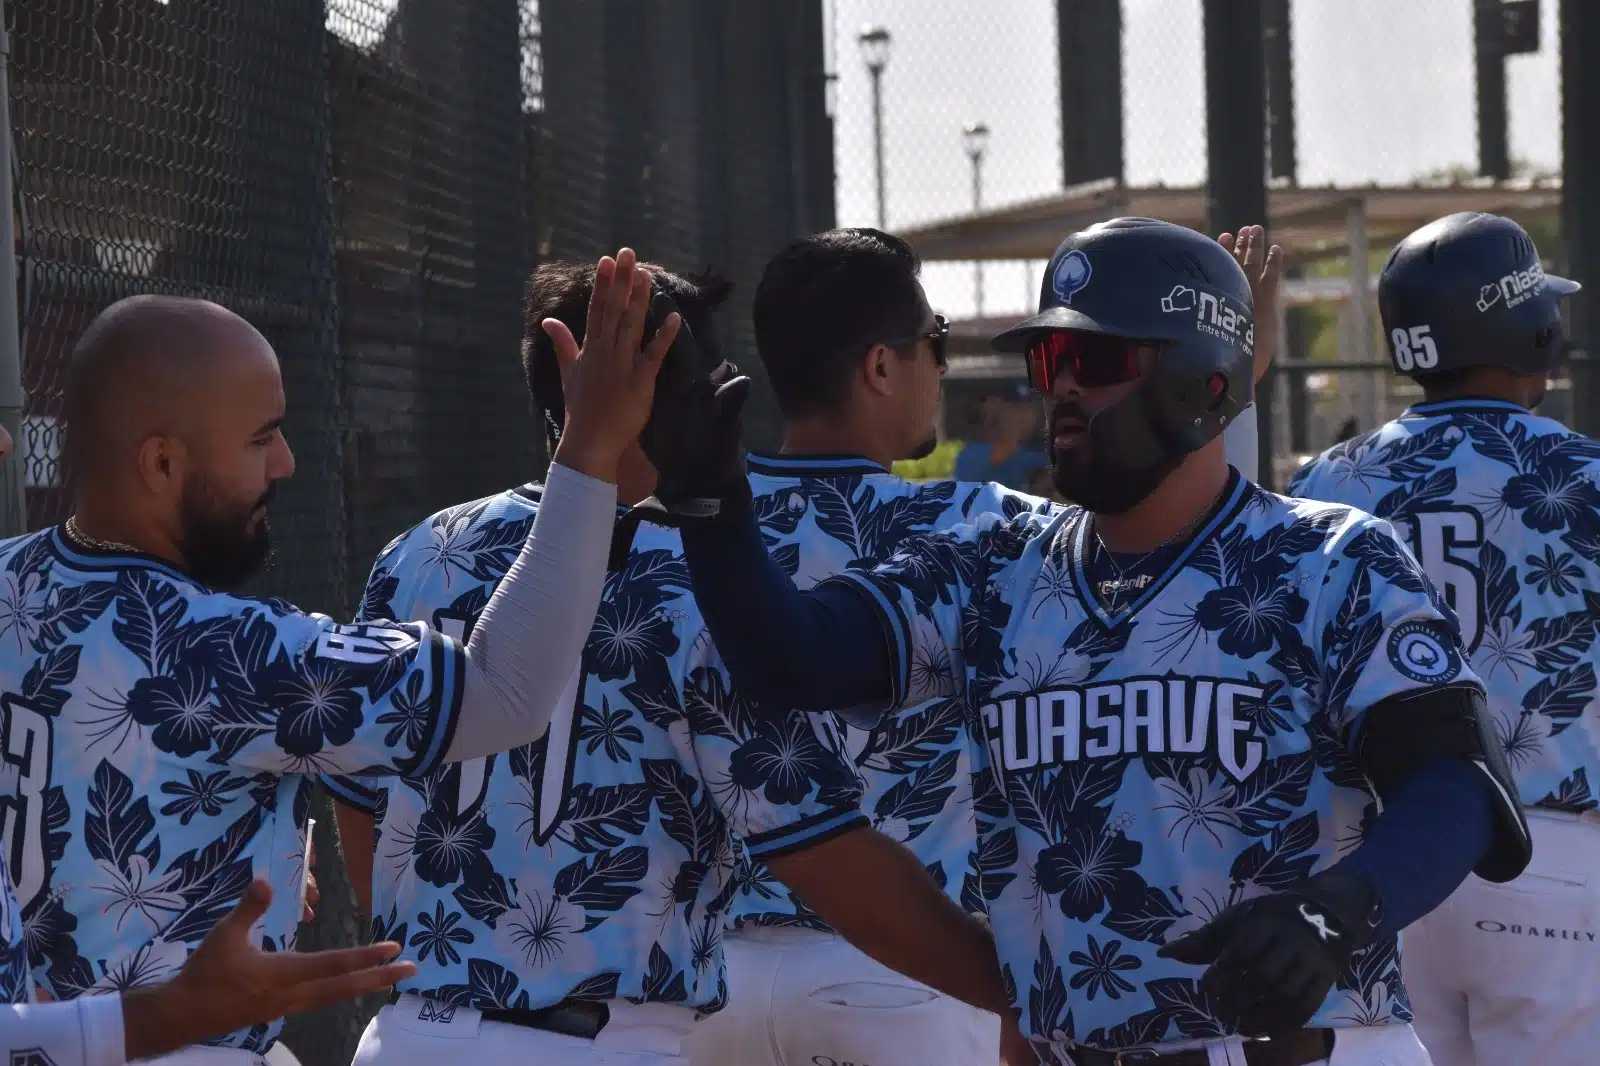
pixel 1309 222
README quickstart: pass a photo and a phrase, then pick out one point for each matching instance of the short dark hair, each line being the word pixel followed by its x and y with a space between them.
pixel 561 290
pixel 823 302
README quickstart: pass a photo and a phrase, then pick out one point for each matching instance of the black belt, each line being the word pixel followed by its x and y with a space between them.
pixel 582 1018
pixel 1296 1049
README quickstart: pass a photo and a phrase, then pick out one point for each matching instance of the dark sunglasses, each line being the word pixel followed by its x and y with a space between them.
pixel 1094 360
pixel 939 335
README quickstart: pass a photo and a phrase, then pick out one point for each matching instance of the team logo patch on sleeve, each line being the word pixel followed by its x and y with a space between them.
pixel 1424 652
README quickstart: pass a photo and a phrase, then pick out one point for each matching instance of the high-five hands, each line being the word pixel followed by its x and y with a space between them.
pixel 610 380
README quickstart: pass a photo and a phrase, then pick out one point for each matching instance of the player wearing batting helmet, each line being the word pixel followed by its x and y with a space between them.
pixel 856 357
pixel 161 730
pixel 1502 509
pixel 1193 694
pixel 565 903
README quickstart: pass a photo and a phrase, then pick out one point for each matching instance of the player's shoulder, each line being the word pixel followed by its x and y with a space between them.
pixel 1352 451
pixel 30 551
pixel 1311 520
pixel 460 526
pixel 986 497
pixel 481 537
pixel 1560 439
pixel 1006 531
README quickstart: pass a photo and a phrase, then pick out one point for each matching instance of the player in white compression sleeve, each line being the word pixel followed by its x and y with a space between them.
pixel 168 728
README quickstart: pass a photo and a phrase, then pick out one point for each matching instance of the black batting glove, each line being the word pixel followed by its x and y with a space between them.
pixel 692 439
pixel 1271 961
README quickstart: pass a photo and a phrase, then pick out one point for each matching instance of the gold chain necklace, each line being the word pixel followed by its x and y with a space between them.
pixel 1110 592
pixel 76 533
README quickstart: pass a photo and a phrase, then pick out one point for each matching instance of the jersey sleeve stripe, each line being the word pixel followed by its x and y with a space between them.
pixel 806 833
pixel 896 630
pixel 444 710
pixel 351 793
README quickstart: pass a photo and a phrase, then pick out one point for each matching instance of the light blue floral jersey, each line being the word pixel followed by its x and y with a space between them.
pixel 157 741
pixel 598 862
pixel 1157 766
pixel 820 516
pixel 1502 509
pixel 14 973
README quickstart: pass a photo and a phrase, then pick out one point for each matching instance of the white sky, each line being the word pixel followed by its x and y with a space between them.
pixel 1383 92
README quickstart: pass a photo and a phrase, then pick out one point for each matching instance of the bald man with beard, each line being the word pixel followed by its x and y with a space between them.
pixel 174 409
pixel 159 729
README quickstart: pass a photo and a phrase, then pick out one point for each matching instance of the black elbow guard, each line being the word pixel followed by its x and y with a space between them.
pixel 1402 733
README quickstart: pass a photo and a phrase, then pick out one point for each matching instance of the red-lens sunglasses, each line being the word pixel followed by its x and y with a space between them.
pixel 1094 360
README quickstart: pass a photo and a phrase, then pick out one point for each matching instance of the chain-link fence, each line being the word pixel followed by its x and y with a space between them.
pixel 368 182
pixel 1087 96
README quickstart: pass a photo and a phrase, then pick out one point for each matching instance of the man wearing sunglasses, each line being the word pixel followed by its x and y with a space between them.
pixel 856 358
pixel 1233 741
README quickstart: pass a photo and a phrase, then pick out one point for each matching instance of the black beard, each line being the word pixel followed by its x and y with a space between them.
pixel 925 449
pixel 220 550
pixel 1095 481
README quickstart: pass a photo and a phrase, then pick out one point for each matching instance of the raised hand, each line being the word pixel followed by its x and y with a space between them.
pixel 230 983
pixel 610 381
pixel 1263 268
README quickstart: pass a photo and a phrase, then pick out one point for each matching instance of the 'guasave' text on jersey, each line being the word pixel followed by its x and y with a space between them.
pixel 157 741
pixel 821 515
pixel 596 863
pixel 1160 765
pixel 1502 509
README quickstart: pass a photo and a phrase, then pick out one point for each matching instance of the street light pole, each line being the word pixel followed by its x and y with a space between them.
pixel 874 41
pixel 975 136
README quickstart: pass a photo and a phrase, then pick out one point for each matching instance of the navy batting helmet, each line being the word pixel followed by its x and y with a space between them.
pixel 1152 281
pixel 1468 290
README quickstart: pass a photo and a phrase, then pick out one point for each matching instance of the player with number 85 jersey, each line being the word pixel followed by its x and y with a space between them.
pixel 1502 509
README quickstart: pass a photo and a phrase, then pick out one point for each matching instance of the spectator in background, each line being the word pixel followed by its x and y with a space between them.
pixel 1007 449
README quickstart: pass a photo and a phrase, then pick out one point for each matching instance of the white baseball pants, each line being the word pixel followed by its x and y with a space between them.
pixel 1510 973
pixel 802 998
pixel 649 1034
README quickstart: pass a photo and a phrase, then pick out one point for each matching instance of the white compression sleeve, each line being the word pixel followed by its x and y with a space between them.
pixel 1241 445
pixel 86 1031
pixel 529 640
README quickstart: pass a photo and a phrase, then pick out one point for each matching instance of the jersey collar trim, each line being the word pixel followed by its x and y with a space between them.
pixel 1076 541
pixel 93 559
pixel 1441 407
pixel 811 465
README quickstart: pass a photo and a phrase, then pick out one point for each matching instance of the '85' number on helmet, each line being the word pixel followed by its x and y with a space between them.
pixel 1414 349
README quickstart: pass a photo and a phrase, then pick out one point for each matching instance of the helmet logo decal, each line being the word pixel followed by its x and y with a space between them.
pixel 1072 273
pixel 1515 288
pixel 1181 298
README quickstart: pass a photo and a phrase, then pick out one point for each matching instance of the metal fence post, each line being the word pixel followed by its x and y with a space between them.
pixel 1236 146
pixel 1580 109
pixel 13 498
